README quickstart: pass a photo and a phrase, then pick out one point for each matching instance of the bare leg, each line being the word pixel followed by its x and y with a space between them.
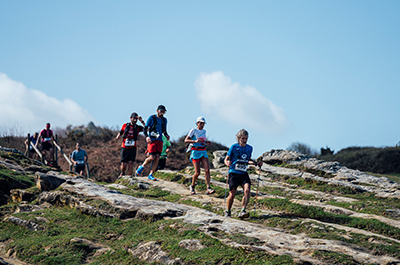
pixel 155 164
pixel 246 196
pixel 130 167
pixel 206 166
pixel 123 168
pixel 230 199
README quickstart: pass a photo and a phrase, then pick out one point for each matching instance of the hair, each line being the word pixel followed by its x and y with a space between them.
pixel 241 133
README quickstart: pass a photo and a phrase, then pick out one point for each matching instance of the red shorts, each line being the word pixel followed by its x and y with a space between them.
pixel 155 147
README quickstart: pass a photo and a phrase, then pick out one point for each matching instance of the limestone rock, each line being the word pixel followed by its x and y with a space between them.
pixel 152 252
pixel 18 195
pixel 27 224
pixel 47 182
pixel 282 156
pixel 219 157
pixel 191 244
pixel 57 198
pixel 24 208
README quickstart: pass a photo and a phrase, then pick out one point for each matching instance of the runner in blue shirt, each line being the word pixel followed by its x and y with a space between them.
pixel 79 157
pixel 238 159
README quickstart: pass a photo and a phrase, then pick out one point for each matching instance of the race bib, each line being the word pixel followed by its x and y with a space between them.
pixel 241 167
pixel 129 142
pixel 154 134
pixel 47 139
pixel 80 162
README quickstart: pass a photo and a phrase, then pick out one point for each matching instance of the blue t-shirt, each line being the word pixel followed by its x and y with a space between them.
pixel 239 157
pixel 33 141
pixel 157 133
pixel 79 156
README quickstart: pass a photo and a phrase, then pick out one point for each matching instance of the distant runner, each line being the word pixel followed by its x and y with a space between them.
pixel 129 133
pixel 46 135
pixel 79 157
pixel 197 138
pixel 237 159
pixel 33 139
pixel 155 127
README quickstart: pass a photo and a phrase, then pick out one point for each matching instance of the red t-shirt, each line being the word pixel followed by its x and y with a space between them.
pixel 128 142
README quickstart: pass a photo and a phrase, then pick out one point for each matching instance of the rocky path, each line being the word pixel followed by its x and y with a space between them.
pixel 271 240
pixel 277 225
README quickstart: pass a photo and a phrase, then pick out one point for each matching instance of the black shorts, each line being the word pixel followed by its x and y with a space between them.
pixel 79 168
pixel 161 163
pixel 46 146
pixel 128 154
pixel 236 180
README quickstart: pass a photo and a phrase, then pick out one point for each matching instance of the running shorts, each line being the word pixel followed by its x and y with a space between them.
pixel 128 154
pixel 46 146
pixel 155 147
pixel 161 163
pixel 79 168
pixel 195 155
pixel 236 180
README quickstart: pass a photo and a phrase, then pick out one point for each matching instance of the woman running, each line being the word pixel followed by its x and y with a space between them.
pixel 197 138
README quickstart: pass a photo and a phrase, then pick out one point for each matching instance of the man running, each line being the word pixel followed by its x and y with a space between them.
pixel 79 157
pixel 33 139
pixel 129 133
pixel 46 135
pixel 237 159
pixel 155 127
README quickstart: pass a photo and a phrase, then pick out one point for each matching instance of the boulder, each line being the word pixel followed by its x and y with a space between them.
pixel 21 195
pixel 219 157
pixel 47 182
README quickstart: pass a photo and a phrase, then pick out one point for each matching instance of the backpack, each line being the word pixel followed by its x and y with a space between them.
pixel 154 124
pixel 127 128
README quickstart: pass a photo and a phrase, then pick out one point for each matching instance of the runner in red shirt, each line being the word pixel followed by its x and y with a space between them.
pixel 129 133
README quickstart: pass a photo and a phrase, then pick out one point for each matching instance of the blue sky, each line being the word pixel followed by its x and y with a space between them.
pixel 324 73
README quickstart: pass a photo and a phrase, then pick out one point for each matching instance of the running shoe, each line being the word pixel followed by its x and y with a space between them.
pixel 227 213
pixel 243 214
pixel 210 190
pixel 192 191
pixel 151 177
pixel 139 171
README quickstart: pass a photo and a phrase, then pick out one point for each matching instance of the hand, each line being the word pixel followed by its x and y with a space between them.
pixel 140 119
pixel 167 136
pixel 260 163
pixel 148 140
pixel 228 163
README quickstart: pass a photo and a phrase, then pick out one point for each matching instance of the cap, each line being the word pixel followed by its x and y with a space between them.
pixel 201 119
pixel 134 115
pixel 161 107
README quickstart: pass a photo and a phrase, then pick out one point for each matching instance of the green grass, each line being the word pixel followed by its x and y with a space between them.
pixel 65 224
pixel 297 210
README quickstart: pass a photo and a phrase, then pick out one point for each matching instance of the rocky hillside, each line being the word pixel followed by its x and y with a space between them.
pixel 307 211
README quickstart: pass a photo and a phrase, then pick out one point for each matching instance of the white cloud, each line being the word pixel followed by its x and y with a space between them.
pixel 241 105
pixel 28 110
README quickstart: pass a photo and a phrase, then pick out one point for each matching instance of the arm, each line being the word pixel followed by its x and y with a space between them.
pixel 252 162
pixel 228 161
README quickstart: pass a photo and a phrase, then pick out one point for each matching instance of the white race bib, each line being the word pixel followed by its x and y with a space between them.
pixel 80 162
pixel 129 142
pixel 47 139
pixel 155 134
pixel 241 167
